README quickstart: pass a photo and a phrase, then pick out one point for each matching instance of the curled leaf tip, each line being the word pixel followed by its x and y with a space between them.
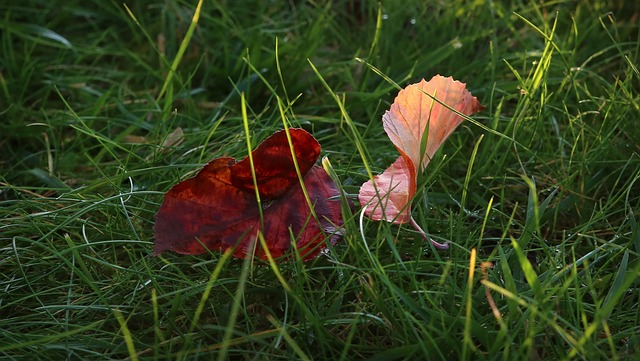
pixel 388 196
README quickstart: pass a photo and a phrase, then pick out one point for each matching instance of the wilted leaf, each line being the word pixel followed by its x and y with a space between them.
pixel 417 125
pixel 218 209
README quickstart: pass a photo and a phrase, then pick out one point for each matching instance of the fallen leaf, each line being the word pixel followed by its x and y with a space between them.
pixel 173 139
pixel 217 209
pixel 417 125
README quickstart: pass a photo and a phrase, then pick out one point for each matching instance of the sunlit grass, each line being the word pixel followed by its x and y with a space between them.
pixel 105 107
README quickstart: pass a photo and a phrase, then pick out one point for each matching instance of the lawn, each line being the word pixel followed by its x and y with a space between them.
pixel 105 105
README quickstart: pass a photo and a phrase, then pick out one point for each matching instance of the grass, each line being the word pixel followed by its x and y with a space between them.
pixel 540 195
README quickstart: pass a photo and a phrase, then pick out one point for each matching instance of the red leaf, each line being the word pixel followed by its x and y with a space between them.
pixel 218 207
pixel 274 168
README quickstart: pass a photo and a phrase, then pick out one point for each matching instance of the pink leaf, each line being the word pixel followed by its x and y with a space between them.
pixel 390 198
pixel 414 109
pixel 417 124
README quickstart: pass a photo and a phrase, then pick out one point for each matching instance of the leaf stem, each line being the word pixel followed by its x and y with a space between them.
pixel 424 235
